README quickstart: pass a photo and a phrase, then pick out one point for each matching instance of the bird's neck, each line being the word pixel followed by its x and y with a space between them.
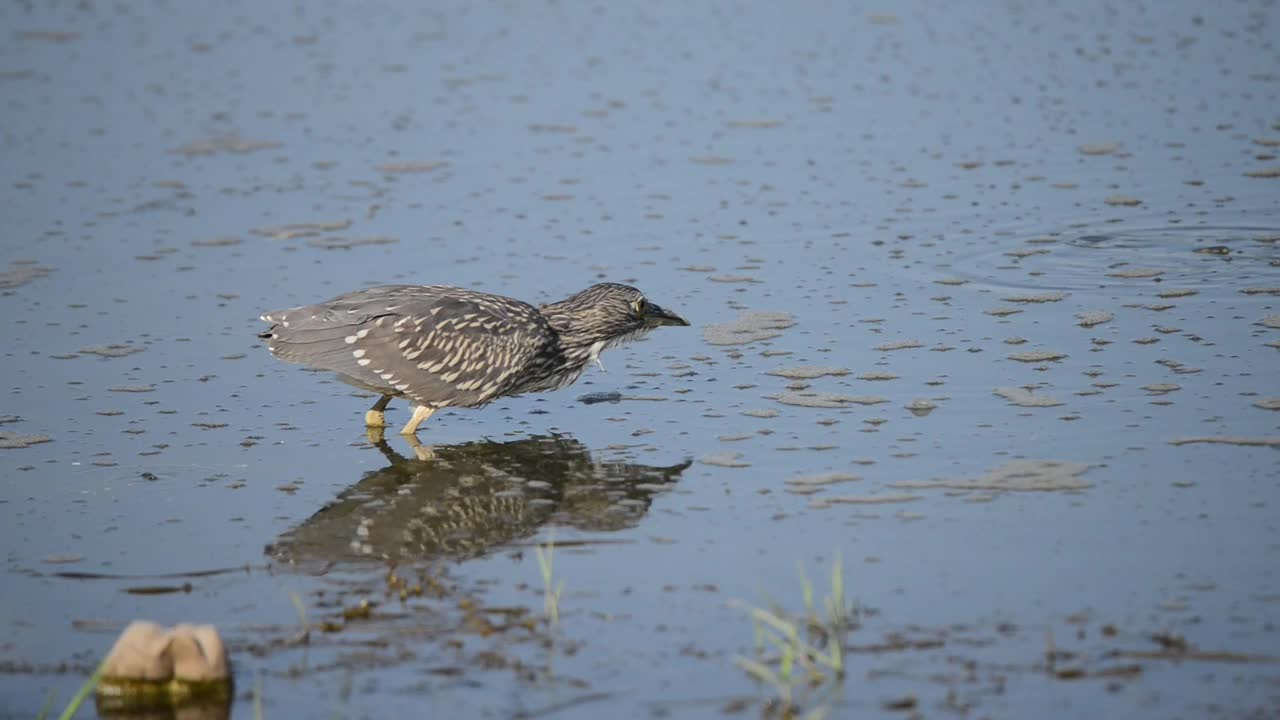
pixel 575 336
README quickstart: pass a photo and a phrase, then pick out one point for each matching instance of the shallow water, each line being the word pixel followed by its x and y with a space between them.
pixel 1031 250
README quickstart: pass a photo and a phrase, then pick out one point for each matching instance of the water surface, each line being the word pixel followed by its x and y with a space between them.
pixel 985 312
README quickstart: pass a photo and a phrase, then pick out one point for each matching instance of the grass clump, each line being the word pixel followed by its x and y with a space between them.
pixel 800 657
pixel 552 589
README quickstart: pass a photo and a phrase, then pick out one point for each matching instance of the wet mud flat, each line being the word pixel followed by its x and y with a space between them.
pixel 978 415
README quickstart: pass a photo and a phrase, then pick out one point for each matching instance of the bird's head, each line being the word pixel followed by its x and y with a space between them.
pixel 607 313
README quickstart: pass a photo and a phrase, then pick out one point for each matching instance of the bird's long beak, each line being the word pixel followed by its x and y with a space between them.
pixel 656 315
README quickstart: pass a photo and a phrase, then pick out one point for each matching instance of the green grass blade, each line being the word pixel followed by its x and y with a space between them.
pixel 76 701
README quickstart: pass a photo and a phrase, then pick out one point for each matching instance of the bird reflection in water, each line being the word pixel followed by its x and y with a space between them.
pixel 470 499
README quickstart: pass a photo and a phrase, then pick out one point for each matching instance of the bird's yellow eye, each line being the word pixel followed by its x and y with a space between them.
pixel 640 306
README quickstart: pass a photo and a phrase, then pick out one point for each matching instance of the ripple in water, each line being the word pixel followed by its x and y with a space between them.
pixel 1213 261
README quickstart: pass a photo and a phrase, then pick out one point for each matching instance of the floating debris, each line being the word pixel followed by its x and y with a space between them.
pixel 600 397
pixel 1161 388
pixel 1268 173
pixel 1268 403
pixel 827 501
pixel 1049 297
pixel 877 376
pixel 1025 398
pixel 808 372
pixel 764 413
pixel 753 124
pixel 1018 476
pixel 1229 440
pixel 1025 252
pixel 1178 367
pixel 111 350
pixel 16 441
pixel 297 230
pixel 1261 291
pixel 59 559
pixel 1093 318
pixel 225 143
pixel 729 460
pixel 920 407
pixel 900 345
pixel 57 37
pixel 1136 273
pixel 808 485
pixel 21 273
pixel 1038 356
pixel 1122 201
pixel 1271 321
pixel 339 242
pixel 748 328
pixel 132 388
pixel 1177 293
pixel 407 167
pixel 1001 311
pixel 824 399
pixel 223 241
pixel 1103 148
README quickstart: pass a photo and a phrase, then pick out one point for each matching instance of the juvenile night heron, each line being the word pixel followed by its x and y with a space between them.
pixel 439 346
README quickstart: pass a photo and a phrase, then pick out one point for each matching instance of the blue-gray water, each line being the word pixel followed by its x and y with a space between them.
pixel 980 179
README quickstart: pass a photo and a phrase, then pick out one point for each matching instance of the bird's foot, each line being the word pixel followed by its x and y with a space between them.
pixel 375 419
pixel 422 452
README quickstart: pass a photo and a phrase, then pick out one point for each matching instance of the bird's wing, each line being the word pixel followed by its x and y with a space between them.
pixel 439 346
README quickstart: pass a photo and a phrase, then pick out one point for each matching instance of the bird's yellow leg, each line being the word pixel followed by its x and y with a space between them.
pixel 374 418
pixel 420 413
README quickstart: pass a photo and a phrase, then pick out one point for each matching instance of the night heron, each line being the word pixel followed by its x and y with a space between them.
pixel 439 346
